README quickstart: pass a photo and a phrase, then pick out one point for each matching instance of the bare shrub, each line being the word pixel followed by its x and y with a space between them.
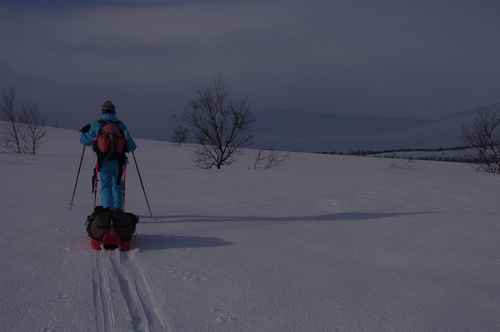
pixel 33 127
pixel 266 159
pixel 483 135
pixel 23 130
pixel 180 134
pixel 220 126
pixel 10 138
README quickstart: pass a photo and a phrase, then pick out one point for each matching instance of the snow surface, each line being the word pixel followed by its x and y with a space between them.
pixel 322 243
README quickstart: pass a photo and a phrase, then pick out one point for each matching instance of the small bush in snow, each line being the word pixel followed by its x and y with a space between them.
pixel 180 134
pixel 23 131
pixel 269 159
pixel 484 137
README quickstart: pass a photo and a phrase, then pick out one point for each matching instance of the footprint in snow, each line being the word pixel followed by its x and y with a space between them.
pixel 191 276
pixel 223 317
pixel 187 276
pixel 47 329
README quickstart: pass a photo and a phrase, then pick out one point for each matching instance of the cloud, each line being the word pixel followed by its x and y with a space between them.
pixel 98 38
pixel 360 56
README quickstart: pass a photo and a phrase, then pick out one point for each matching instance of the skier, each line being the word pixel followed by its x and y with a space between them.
pixel 111 140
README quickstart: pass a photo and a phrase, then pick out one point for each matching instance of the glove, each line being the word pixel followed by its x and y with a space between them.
pixel 85 129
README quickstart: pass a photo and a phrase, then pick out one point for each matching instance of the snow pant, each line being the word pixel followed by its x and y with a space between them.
pixel 111 185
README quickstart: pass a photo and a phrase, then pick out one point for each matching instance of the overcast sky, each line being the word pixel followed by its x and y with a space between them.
pixel 385 57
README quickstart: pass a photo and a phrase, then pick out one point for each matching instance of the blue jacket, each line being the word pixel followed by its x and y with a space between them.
pixel 89 137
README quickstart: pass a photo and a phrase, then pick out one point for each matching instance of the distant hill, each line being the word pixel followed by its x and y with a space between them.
pixel 343 132
pixel 319 131
pixel 340 132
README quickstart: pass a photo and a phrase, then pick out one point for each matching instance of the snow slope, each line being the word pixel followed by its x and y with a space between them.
pixel 322 243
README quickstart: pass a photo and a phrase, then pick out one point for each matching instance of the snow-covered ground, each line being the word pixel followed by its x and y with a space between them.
pixel 322 243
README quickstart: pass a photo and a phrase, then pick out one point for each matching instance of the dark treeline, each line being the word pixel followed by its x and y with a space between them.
pixel 457 158
pixel 441 149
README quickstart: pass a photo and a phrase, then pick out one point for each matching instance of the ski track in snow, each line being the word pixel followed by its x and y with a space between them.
pixel 116 274
pixel 104 315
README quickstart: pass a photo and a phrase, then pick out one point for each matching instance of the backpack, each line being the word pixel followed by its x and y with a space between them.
pixel 111 141
pixel 104 220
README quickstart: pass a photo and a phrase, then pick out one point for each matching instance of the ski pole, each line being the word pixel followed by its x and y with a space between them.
pixel 124 186
pixel 95 181
pixel 95 199
pixel 76 181
pixel 142 184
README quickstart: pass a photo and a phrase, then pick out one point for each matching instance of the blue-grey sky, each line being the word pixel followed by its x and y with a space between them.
pixel 381 58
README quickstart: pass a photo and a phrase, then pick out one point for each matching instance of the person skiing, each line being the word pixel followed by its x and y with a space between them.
pixel 111 140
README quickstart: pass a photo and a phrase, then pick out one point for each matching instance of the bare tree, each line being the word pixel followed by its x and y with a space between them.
pixel 33 130
pixel 220 125
pixel 483 135
pixel 11 138
pixel 180 134
pixel 269 159
pixel 23 130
